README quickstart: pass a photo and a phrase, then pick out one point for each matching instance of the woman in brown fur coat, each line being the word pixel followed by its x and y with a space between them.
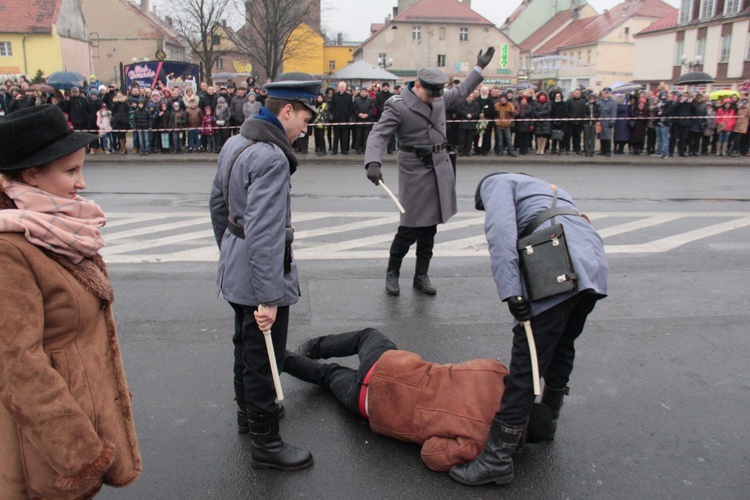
pixel 66 424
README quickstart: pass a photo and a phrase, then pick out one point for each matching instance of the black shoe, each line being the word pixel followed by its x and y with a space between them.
pixel 269 450
pixel 495 463
pixel 305 349
pixel 422 283
pixel 391 283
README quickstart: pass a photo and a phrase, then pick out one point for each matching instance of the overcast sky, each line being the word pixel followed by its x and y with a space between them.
pixel 353 17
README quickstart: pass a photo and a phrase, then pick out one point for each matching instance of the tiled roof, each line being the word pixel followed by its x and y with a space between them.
pixel 665 22
pixel 33 16
pixel 592 29
pixel 547 29
pixel 441 11
pixel 516 13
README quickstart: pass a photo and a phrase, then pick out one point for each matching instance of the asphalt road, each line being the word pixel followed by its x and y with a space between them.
pixel 660 392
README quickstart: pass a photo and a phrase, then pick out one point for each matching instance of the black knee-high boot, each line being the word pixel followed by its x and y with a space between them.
pixel 392 275
pixel 269 450
pixel 542 424
pixel 495 463
pixel 239 396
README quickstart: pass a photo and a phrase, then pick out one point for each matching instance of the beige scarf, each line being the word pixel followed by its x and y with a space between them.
pixel 69 227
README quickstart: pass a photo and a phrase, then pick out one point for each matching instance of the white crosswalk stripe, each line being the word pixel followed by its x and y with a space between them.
pixel 187 236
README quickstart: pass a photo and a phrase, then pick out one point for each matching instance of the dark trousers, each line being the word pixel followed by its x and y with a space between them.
pixel 406 237
pixel 695 142
pixel 575 129
pixel 344 383
pixel 650 141
pixel 680 138
pixel 555 332
pixel 251 365
pixel 341 138
pixel 320 140
pixel 361 133
pixel 589 139
pixel 465 141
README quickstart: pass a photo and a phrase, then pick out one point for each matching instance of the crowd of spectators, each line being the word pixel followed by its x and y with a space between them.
pixel 495 120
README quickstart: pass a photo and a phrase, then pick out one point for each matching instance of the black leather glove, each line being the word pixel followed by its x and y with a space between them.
pixel 373 172
pixel 484 59
pixel 520 308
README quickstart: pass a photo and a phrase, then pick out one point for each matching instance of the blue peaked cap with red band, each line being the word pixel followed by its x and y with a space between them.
pixel 295 86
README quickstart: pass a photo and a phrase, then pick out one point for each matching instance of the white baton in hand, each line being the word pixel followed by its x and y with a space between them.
pixel 532 353
pixel 272 361
pixel 393 197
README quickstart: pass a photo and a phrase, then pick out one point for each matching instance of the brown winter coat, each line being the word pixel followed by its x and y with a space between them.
pixel 66 424
pixel 448 409
pixel 743 117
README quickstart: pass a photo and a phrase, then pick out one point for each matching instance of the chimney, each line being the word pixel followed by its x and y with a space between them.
pixel 339 39
pixel 467 3
pixel 145 6
pixel 168 20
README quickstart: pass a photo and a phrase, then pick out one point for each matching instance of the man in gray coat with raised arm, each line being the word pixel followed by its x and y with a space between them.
pixel 512 202
pixel 426 183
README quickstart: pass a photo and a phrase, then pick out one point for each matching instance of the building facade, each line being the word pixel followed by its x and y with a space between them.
pixel 531 15
pixel 46 35
pixel 445 34
pixel 702 35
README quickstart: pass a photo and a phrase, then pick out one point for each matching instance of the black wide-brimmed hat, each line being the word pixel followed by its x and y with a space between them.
pixel 35 136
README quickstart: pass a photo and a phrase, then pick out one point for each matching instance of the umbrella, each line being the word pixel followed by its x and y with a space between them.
pixel 43 87
pixel 694 77
pixel 627 88
pixel 65 80
pixel 721 94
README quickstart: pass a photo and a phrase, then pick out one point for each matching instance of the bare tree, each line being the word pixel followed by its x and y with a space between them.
pixel 200 24
pixel 269 27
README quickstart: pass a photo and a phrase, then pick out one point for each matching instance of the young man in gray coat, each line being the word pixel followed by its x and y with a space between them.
pixel 251 216
pixel 427 186
pixel 511 203
pixel 607 114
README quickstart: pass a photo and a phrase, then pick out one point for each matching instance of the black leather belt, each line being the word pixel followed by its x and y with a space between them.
pixel 235 229
pixel 436 148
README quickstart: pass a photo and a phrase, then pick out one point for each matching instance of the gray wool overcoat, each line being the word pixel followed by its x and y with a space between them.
pixel 427 192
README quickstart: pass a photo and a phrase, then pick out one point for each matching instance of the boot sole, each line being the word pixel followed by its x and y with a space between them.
pixel 263 465
pixel 426 292
pixel 497 480
pixel 392 293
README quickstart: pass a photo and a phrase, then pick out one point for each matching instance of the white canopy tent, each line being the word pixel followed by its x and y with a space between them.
pixel 362 73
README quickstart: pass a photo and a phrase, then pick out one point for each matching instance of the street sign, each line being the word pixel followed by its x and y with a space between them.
pixel 504 55
pixel 504 71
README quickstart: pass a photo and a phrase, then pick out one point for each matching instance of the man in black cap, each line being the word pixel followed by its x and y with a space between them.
pixel 251 217
pixel 427 185
pixel 607 115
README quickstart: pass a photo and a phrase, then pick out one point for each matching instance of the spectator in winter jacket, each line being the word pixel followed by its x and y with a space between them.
pixel 726 117
pixel 592 113
pixel 251 106
pixel 161 121
pixel 558 113
pixel 576 109
pixel 104 124
pixel 739 131
pixel 208 131
pixel 543 128
pixel 194 119
pixel 236 105
pixel 177 122
pixel 486 112
pixel 364 108
pixel 342 110
pixel 505 112
pixel 467 110
pixel 143 124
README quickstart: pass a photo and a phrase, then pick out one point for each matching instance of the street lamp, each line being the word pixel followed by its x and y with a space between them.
pixel 385 63
pixel 691 63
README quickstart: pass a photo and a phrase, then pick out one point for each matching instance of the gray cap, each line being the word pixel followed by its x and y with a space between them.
pixel 433 80
pixel 295 86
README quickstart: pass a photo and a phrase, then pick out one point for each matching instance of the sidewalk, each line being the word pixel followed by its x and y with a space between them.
pixel 531 159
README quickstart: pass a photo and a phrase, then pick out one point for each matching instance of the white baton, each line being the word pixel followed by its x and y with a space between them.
pixel 393 197
pixel 272 361
pixel 532 353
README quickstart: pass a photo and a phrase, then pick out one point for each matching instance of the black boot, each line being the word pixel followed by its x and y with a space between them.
pixel 543 419
pixel 421 280
pixel 495 463
pixel 391 278
pixel 269 450
pixel 239 395
pixel 391 283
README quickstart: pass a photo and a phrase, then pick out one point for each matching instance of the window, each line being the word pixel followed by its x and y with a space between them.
pixel 332 65
pixel 732 6
pixel 441 61
pixel 219 63
pixel 215 39
pixel 747 57
pixel 583 82
pixel 679 52
pixel 463 35
pixel 382 56
pixel 726 44
pixel 416 32
pixel 701 50
pixel 685 11
pixel 441 32
pixel 588 57
pixel 564 87
pixel 627 30
pixel 5 49
pixel 707 9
